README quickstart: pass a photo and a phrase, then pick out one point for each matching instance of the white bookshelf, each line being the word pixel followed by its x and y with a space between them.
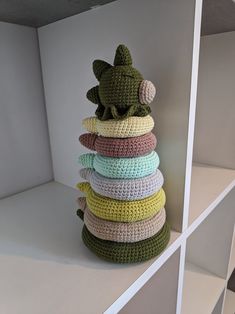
pixel 209 185
pixel 202 290
pixel 43 258
pixel 44 265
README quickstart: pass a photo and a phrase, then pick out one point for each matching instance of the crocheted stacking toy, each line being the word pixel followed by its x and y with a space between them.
pixel 123 207
pixel 122 92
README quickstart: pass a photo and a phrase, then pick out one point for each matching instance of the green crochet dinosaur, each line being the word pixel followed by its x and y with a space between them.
pixel 122 92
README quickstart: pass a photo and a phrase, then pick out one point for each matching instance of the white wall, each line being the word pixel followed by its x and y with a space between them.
pixel 24 154
pixel 160 36
pixel 215 117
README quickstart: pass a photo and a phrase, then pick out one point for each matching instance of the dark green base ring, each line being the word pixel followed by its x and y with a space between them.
pixel 127 252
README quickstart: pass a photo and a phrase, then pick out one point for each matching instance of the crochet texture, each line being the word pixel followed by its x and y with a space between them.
pixel 119 231
pixel 128 189
pixel 116 147
pixel 121 168
pixel 122 92
pixel 127 252
pixel 123 208
pixel 130 127
pixel 115 210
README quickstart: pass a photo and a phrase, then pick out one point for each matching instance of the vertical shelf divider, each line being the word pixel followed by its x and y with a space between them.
pixel 192 109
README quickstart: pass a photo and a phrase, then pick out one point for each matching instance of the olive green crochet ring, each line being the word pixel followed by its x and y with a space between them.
pixel 127 252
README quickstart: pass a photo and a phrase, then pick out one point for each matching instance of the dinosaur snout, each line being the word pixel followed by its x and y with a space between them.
pixel 147 92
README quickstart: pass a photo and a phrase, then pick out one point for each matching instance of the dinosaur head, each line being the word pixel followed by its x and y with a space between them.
pixel 121 85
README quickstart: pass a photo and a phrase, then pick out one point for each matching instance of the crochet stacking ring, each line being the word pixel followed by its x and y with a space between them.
pixel 119 147
pixel 130 127
pixel 122 231
pixel 126 190
pixel 127 252
pixel 124 211
pixel 121 168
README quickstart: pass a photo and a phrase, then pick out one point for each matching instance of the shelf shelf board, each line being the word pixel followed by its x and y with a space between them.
pixel 209 185
pixel 229 304
pixel 201 290
pixel 42 254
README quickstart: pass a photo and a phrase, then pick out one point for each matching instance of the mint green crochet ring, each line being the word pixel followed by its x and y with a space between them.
pixel 121 168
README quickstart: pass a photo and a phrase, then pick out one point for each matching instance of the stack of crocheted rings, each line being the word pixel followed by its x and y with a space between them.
pixel 123 202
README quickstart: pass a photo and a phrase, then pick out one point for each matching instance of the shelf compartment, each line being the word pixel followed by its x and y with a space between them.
pixel 41 253
pixel 229 304
pixel 209 245
pixel 201 291
pixel 152 295
pixel 209 185
pixel 218 309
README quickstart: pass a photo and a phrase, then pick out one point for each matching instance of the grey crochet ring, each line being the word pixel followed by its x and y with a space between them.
pixel 122 231
pixel 119 189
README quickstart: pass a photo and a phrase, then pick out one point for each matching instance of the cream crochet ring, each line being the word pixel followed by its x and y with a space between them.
pixel 130 127
pixel 121 231
pixel 124 211
pixel 126 190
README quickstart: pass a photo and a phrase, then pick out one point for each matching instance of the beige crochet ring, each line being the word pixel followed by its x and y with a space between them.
pixel 130 127
pixel 121 231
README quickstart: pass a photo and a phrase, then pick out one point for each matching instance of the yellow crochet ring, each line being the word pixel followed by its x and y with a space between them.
pixel 130 127
pixel 125 211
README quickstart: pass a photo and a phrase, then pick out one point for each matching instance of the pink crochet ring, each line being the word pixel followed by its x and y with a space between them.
pixel 119 147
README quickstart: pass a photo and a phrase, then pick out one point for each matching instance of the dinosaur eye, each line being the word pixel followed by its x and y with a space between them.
pixel 128 75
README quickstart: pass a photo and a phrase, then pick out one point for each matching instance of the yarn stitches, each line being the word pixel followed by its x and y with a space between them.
pixel 127 252
pixel 115 210
pixel 122 231
pixel 130 127
pixel 121 168
pixel 128 189
pixel 119 147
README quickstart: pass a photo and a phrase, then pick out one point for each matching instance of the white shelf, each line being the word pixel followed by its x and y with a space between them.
pixel 201 290
pixel 229 304
pixel 232 256
pixel 209 185
pixel 46 268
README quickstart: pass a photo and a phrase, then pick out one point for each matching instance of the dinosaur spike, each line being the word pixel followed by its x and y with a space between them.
pixel 87 160
pixel 90 124
pixel 80 214
pixel 88 140
pixel 86 173
pixel 122 56
pixel 82 203
pixel 84 187
pixel 93 95
pixel 99 67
